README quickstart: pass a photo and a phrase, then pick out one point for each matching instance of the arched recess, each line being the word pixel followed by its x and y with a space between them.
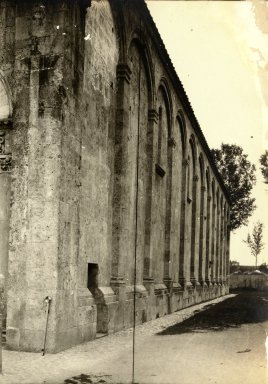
pixel 225 242
pixel 133 167
pixel 228 234
pixel 192 198
pixel 140 101
pixel 213 234
pixel 208 266
pixel 119 19
pixel 202 221
pixel 163 184
pixel 183 171
pixel 137 38
pixel 164 90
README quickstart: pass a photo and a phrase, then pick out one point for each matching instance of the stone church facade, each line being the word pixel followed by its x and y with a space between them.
pixel 107 185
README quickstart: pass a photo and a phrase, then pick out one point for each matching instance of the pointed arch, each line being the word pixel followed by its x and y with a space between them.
pixel 165 91
pixel 202 170
pixel 192 144
pixel 182 131
pixel 119 21
pixel 146 57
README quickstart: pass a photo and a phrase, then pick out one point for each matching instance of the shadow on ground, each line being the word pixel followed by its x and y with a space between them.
pixel 88 379
pixel 246 307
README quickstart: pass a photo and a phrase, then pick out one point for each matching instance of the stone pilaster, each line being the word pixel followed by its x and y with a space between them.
pixel 202 237
pixel 120 213
pixel 209 266
pixel 183 236
pixel 148 267
pixel 170 255
pixel 218 232
pixel 213 242
pixel 194 233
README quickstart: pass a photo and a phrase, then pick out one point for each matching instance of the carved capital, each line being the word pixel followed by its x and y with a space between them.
pixel 5 162
pixel 123 72
pixel 203 188
pixel 195 178
pixel 153 115
pixel 185 162
pixel 209 198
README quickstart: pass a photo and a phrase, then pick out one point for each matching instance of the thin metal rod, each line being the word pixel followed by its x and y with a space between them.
pixel 136 223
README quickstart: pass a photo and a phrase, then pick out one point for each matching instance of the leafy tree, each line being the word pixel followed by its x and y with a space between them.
pixel 264 165
pixel 263 267
pixel 254 241
pixel 234 266
pixel 238 175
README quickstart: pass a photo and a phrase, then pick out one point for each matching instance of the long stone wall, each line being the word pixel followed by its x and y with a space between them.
pixel 253 280
pixel 113 193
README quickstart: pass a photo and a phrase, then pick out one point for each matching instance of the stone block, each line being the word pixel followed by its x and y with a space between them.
pixel 13 338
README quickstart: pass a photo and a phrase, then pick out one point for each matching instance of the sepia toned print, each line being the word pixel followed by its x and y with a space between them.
pixel 115 215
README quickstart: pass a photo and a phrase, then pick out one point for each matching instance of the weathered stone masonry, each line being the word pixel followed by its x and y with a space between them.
pixel 107 186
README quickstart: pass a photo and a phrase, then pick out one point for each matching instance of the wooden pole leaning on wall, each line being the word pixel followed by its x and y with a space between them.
pixel 47 301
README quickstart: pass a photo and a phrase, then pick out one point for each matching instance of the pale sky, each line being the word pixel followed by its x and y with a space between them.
pixel 220 52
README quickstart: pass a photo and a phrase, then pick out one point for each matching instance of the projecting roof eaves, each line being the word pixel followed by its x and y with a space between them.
pixel 181 92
